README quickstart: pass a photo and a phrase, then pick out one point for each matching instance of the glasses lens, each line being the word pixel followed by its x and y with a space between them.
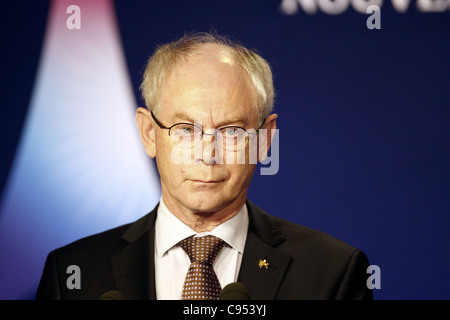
pixel 186 135
pixel 233 138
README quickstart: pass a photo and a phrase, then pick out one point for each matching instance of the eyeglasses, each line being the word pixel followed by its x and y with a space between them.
pixel 187 135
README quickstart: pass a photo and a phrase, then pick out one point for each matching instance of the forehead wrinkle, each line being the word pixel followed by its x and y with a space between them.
pixel 183 117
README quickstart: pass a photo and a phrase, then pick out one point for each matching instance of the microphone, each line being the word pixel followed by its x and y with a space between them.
pixel 113 295
pixel 235 291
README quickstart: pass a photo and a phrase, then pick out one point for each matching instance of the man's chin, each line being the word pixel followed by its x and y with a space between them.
pixel 204 206
pixel 206 202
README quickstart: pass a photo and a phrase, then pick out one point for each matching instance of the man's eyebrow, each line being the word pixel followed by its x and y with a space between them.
pixel 181 116
pixel 231 122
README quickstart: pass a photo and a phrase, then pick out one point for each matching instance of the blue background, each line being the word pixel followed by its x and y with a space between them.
pixel 364 119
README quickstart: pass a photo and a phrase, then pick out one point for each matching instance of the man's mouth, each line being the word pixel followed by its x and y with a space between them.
pixel 206 181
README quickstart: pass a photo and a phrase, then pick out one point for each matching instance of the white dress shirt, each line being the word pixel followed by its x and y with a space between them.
pixel 172 263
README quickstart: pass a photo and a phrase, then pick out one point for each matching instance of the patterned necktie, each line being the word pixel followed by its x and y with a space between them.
pixel 201 281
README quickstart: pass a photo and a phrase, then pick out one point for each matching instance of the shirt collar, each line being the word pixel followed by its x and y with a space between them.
pixel 169 230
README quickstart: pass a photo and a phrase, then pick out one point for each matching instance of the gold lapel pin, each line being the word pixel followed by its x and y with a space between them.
pixel 263 264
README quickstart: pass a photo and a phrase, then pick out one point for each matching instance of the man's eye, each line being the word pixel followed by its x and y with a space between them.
pixel 186 130
pixel 233 132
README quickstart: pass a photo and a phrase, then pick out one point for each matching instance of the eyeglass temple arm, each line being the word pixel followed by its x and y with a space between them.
pixel 157 121
pixel 260 127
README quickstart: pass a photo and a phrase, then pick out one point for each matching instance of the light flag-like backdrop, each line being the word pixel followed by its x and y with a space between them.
pixel 80 167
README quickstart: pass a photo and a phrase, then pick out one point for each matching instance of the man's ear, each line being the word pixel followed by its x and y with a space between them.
pixel 146 130
pixel 266 136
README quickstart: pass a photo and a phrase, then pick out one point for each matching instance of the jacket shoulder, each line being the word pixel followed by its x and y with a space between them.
pixel 92 255
pixel 105 241
pixel 309 237
pixel 321 266
pixel 291 233
pixel 112 239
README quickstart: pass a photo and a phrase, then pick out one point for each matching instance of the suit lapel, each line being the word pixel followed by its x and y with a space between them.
pixel 133 264
pixel 134 271
pixel 263 265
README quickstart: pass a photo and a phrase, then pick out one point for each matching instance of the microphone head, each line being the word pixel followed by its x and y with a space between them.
pixel 113 295
pixel 235 291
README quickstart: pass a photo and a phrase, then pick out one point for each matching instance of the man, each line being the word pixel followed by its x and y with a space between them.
pixel 207 99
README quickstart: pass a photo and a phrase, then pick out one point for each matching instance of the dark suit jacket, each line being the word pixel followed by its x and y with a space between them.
pixel 302 263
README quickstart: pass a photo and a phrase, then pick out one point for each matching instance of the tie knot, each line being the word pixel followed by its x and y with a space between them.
pixel 202 249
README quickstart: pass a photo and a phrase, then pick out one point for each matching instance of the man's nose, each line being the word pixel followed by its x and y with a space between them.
pixel 209 147
pixel 209 135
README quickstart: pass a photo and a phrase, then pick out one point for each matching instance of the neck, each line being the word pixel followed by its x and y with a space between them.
pixel 203 221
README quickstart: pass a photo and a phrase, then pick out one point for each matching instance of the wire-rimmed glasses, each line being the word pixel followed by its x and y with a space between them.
pixel 187 135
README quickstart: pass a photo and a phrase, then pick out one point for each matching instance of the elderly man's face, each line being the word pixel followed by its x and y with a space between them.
pixel 213 89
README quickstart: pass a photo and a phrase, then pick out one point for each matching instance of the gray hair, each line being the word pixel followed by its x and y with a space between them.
pixel 166 56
